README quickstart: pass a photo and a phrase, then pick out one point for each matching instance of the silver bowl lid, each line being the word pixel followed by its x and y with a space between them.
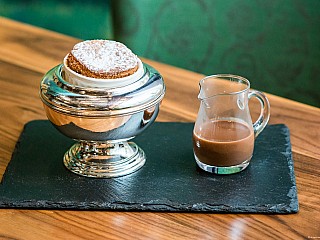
pixel 70 99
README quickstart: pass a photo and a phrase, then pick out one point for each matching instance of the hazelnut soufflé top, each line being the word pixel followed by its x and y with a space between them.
pixel 103 59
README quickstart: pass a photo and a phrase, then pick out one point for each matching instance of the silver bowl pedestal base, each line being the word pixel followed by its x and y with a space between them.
pixel 104 159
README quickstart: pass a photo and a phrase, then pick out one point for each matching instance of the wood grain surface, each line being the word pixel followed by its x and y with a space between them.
pixel 26 53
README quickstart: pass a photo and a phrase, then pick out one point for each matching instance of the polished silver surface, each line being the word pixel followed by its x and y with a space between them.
pixel 70 99
pixel 104 117
pixel 104 160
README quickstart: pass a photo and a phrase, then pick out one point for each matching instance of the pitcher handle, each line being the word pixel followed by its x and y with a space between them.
pixel 263 119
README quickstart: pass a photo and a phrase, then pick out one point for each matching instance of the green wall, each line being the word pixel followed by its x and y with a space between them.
pixel 83 19
pixel 275 44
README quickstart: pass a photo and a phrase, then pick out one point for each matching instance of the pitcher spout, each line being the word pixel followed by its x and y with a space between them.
pixel 204 90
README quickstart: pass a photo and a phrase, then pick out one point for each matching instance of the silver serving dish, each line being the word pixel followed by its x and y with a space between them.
pixel 102 121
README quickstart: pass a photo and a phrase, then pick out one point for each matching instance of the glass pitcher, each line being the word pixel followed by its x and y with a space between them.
pixel 223 135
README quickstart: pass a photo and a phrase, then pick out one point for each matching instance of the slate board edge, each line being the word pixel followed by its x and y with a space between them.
pixel 293 192
pixel 158 207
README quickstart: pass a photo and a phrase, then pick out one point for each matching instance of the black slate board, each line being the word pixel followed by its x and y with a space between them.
pixel 169 181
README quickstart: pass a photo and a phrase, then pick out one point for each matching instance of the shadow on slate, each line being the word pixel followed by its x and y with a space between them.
pixel 169 181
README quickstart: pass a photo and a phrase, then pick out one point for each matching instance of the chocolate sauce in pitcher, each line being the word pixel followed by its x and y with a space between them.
pixel 223 143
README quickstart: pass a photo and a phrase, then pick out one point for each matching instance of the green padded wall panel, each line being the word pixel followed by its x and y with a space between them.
pixel 275 44
pixel 83 19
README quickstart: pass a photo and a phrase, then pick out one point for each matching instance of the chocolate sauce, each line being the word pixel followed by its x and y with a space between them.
pixel 223 143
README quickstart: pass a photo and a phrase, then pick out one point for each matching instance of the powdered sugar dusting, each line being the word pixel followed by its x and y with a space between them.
pixel 104 56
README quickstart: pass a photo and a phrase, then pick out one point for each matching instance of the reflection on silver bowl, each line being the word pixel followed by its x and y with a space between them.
pixel 102 121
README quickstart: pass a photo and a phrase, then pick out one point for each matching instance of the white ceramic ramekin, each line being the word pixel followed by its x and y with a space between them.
pixel 83 81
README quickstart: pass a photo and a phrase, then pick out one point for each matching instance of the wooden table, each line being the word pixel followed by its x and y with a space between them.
pixel 27 52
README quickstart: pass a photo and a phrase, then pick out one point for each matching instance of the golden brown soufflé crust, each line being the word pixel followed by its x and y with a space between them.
pixel 78 67
pixel 122 62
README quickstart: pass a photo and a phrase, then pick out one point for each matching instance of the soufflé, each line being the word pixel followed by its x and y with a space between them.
pixel 102 59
